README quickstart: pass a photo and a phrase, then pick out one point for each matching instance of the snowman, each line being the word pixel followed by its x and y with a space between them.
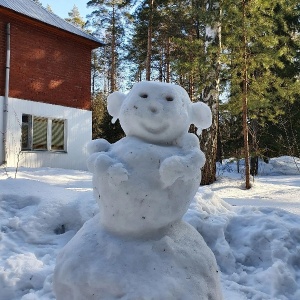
pixel 138 247
pixel 147 180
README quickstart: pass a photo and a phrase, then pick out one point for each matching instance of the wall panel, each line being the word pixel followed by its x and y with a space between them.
pixel 79 133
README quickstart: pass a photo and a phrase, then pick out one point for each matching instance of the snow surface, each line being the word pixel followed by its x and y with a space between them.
pixel 256 242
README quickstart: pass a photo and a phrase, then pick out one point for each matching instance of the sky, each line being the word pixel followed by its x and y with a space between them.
pixel 62 8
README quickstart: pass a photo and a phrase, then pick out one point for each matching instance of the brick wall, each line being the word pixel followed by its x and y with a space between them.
pixel 46 65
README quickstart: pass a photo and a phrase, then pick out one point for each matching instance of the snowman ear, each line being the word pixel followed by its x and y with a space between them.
pixel 114 103
pixel 200 115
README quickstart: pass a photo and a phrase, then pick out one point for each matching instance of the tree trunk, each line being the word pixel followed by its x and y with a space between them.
pixel 191 87
pixel 168 68
pixel 254 165
pixel 149 42
pixel 209 138
pixel 245 103
pixel 113 53
pixel 209 146
pixel 219 156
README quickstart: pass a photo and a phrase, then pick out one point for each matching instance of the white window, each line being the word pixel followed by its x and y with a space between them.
pixel 40 133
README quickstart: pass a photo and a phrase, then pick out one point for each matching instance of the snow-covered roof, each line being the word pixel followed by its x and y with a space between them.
pixel 33 10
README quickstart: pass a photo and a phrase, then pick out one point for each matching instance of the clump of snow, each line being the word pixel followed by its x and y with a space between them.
pixel 283 165
pixel 209 215
pixel 138 247
pixel 257 249
pixel 265 245
pixel 37 219
pixel 141 187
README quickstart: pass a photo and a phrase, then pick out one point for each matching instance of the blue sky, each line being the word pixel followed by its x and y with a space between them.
pixel 61 8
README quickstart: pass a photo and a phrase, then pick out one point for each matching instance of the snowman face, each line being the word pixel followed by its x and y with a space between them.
pixel 155 112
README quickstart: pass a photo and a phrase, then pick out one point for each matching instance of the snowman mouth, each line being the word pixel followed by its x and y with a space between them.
pixel 155 130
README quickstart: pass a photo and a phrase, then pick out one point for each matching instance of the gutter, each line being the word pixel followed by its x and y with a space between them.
pixel 5 104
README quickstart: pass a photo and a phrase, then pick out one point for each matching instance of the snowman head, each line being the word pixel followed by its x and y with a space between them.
pixel 157 112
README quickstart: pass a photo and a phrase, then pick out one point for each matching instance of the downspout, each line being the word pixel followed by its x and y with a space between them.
pixel 5 104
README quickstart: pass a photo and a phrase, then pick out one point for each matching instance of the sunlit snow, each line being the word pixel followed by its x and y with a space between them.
pixel 234 233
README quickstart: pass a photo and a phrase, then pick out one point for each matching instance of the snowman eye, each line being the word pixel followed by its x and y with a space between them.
pixel 169 98
pixel 144 96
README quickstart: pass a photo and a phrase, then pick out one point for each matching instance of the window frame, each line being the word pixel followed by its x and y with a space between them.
pixel 30 125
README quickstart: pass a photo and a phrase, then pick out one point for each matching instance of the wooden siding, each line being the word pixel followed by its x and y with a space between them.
pixel 79 133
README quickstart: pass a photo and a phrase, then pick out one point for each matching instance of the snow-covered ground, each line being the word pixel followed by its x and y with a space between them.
pixel 254 234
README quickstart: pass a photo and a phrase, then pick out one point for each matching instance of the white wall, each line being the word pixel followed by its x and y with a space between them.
pixel 1 127
pixel 79 133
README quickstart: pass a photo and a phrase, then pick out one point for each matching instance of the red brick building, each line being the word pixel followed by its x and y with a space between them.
pixel 46 62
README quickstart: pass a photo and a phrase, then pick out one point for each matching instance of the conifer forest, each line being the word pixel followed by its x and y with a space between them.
pixel 240 57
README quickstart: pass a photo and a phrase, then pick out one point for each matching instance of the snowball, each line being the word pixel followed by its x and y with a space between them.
pixel 176 264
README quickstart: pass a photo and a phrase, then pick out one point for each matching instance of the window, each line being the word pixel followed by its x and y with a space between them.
pixel 26 125
pixel 57 135
pixel 40 133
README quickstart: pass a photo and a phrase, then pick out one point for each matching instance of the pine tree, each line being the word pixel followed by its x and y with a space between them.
pixel 145 29
pixel 108 16
pixel 48 7
pixel 102 126
pixel 182 51
pixel 98 71
pixel 197 63
pixel 75 18
pixel 156 26
pixel 254 52
pixel 210 139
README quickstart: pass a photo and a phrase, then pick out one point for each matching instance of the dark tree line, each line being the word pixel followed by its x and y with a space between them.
pixel 240 57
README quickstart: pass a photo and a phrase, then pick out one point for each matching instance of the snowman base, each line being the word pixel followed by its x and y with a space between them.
pixel 174 264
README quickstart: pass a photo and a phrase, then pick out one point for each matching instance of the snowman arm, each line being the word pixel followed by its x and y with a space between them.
pixel 94 149
pixel 101 163
pixel 98 145
pixel 185 167
pixel 188 142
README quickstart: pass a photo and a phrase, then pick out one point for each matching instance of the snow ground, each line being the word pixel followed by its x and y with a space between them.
pixel 276 187
pixel 254 234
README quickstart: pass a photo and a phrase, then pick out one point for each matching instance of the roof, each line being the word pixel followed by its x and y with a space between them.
pixel 33 10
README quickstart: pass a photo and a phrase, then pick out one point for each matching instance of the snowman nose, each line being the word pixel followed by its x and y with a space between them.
pixel 155 107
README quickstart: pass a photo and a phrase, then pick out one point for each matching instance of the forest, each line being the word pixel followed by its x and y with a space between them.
pixel 240 57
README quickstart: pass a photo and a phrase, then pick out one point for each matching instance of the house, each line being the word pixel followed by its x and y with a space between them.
pixel 45 88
